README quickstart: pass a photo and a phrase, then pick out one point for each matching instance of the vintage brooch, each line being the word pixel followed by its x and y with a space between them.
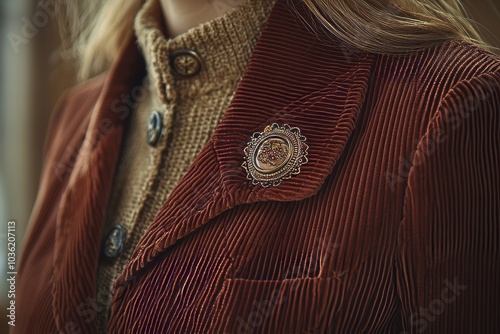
pixel 275 155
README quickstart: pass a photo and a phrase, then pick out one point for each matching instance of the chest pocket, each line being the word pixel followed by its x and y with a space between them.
pixel 271 241
pixel 301 305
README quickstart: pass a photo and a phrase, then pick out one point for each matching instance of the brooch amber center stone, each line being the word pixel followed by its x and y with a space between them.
pixel 275 154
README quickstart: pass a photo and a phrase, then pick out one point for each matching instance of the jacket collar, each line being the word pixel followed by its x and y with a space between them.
pixel 294 76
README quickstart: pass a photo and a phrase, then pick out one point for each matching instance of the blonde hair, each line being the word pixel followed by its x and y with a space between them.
pixel 97 28
pixel 93 31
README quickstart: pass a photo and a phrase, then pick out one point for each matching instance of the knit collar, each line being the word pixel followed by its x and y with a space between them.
pixel 224 45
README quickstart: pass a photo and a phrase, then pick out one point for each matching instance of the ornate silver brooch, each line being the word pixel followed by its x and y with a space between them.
pixel 274 155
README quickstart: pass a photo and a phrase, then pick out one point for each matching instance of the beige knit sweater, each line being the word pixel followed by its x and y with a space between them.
pixel 191 109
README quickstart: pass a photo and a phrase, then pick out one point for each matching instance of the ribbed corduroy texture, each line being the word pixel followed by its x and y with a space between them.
pixel 147 175
pixel 392 226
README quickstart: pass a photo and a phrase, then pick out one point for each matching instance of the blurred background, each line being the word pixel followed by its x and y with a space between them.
pixel 33 76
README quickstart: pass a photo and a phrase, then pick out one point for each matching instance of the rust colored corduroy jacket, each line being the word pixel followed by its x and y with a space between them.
pixel 392 226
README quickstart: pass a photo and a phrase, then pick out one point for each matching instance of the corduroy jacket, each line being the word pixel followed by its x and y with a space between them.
pixel 392 226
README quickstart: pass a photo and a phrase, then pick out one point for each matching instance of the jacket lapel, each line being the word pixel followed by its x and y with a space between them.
pixel 82 208
pixel 294 77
